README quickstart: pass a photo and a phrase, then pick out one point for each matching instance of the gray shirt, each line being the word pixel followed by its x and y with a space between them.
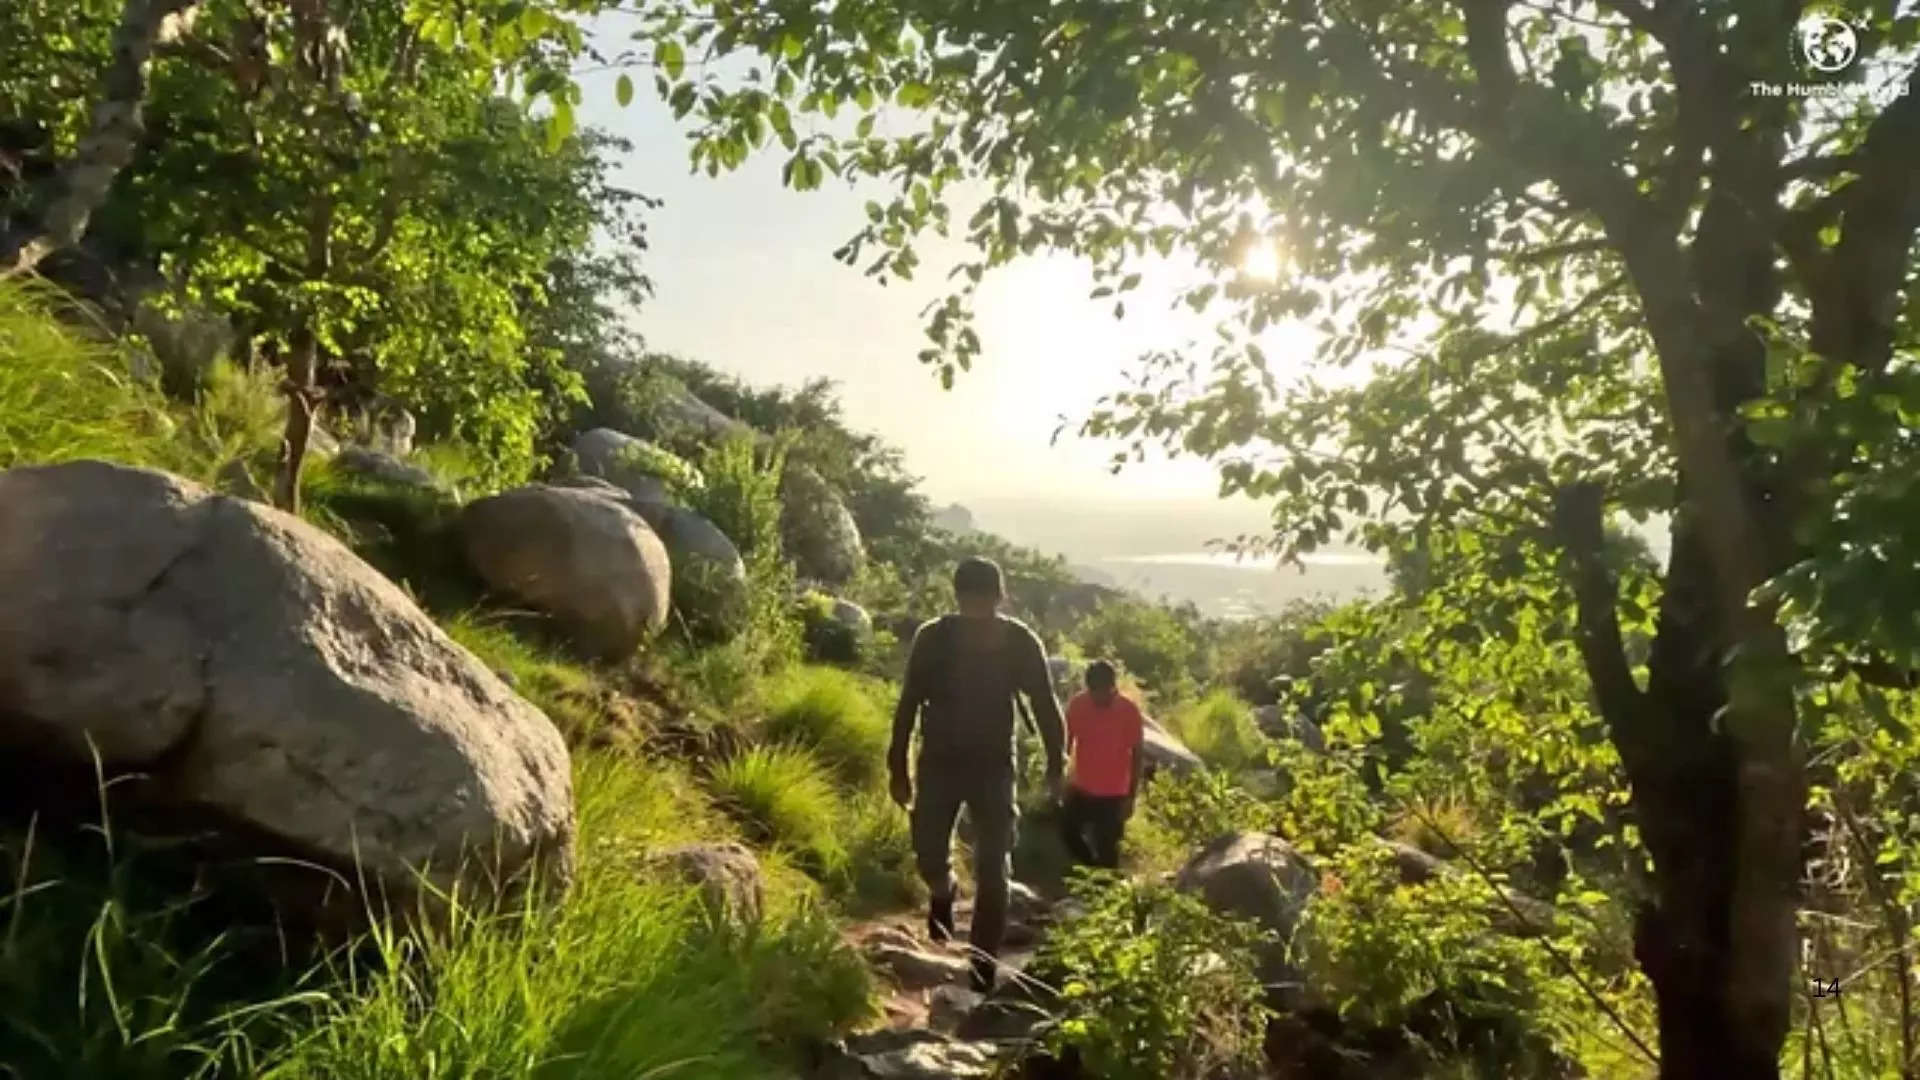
pixel 961 681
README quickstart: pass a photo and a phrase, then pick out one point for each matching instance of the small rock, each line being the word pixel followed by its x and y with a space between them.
pixel 1026 905
pixel 911 1055
pixel 1165 751
pixel 916 969
pixel 949 1006
pixel 728 876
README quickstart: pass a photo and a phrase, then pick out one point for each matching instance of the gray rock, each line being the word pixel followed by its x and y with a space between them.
pixel 912 1055
pixel 728 876
pixel 682 414
pixel 634 465
pixel 709 578
pixel 261 674
pixel 589 561
pixel 949 1006
pixel 1260 877
pixel 852 616
pixel 915 968
pixel 1271 720
pixel 1026 905
pixel 817 528
pixel 1164 751
pixel 237 480
pixel 385 468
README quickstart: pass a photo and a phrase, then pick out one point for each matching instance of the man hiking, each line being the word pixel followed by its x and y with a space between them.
pixel 1104 733
pixel 962 677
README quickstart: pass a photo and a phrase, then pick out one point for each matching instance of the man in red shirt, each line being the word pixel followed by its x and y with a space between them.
pixel 1104 732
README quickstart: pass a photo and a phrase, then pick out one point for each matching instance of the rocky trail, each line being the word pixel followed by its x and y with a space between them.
pixel 932 1026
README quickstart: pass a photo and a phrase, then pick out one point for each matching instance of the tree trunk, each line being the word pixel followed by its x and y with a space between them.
pixel 110 141
pixel 302 362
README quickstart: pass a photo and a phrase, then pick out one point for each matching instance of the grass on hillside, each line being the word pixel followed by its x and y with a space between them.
pixel 567 691
pixel 837 715
pixel 784 796
pixel 1221 729
pixel 111 965
pixel 63 398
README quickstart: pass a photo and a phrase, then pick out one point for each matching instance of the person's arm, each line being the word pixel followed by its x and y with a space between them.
pixel 1037 684
pixel 913 694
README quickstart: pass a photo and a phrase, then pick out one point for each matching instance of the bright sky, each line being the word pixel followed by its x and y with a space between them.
pixel 746 282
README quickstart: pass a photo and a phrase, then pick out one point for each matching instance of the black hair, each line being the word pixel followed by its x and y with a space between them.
pixel 977 576
pixel 1100 675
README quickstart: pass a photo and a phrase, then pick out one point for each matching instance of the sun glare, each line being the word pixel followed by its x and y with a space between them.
pixel 1261 262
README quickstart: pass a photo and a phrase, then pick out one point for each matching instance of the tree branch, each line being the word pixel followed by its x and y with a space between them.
pixel 109 144
pixel 1579 526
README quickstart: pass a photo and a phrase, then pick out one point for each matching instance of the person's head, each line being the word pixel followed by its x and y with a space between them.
pixel 976 586
pixel 1102 683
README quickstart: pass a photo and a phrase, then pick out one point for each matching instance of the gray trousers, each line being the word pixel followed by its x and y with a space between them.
pixel 941 789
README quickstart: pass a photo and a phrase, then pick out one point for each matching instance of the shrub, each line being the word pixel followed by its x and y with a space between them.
pixel 1181 814
pixel 834 714
pixel 741 493
pixel 1154 985
pixel 1220 728
pixel 828 640
pixel 783 795
pixel 1146 639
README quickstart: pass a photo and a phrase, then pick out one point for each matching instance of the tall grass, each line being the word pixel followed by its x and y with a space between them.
pixel 63 398
pixel 783 795
pixel 835 714
pixel 628 978
pixel 566 691
pixel 1221 729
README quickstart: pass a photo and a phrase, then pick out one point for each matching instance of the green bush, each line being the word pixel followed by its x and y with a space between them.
pixel 566 691
pixel 1220 728
pixel 1147 640
pixel 741 493
pixel 827 639
pixel 783 795
pixel 1153 985
pixel 836 715
pixel 1178 815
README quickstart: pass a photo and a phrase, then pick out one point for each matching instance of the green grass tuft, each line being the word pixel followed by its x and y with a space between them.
pixel 1220 728
pixel 835 714
pixel 568 692
pixel 783 795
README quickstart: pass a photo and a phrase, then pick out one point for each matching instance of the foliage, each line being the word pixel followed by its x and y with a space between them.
pixel 1147 640
pixel 1181 814
pixel 626 978
pixel 1220 728
pixel 740 493
pixel 566 691
pixel 1154 985
pixel 1251 654
pixel 881 874
pixel 834 714
pixel 783 795
pixel 828 638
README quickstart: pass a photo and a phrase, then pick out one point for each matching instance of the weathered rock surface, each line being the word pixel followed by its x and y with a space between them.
pixel 385 468
pixel 709 576
pixel 911 1055
pixel 261 676
pixel 915 968
pixel 853 617
pixel 1260 877
pixel 1164 751
pixel 728 876
pixel 587 560
pixel 817 528
pixel 1271 720
pixel 634 465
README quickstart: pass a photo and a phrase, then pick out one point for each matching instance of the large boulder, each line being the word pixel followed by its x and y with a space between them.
pixel 384 467
pixel 682 417
pixel 817 528
pixel 1259 877
pixel 589 561
pixel 643 470
pixel 1165 751
pixel 260 676
pixel 710 588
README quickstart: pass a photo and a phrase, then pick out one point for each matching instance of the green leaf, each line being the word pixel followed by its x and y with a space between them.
pixel 671 58
pixel 623 90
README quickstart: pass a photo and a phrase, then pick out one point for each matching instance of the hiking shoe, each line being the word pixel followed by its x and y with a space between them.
pixel 984 969
pixel 940 919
